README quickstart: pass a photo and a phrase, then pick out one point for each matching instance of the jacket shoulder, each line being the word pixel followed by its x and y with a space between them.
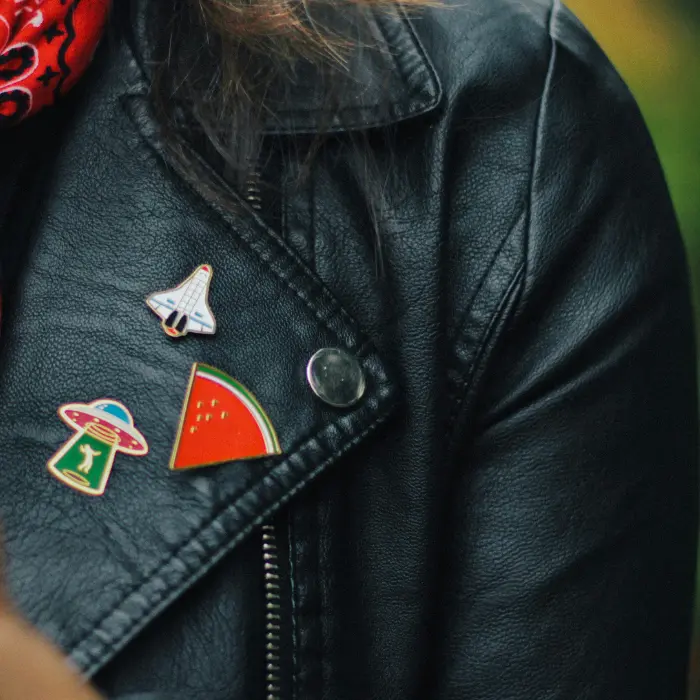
pixel 555 186
pixel 502 50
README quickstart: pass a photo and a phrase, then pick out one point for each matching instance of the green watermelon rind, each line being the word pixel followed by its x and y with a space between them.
pixel 238 387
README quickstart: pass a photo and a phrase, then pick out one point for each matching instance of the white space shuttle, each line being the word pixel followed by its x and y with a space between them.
pixel 185 309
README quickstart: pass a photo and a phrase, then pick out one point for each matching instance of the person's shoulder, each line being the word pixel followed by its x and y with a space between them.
pixel 544 135
pixel 504 51
pixel 528 80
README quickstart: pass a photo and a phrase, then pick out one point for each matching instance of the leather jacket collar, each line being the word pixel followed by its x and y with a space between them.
pixel 389 82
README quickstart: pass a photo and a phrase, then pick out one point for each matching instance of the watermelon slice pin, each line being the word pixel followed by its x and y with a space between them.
pixel 221 421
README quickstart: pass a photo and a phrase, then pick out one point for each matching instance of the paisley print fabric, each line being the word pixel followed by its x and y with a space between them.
pixel 45 45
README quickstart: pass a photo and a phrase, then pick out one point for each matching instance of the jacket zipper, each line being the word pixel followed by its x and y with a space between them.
pixel 270 549
pixel 273 614
pixel 252 191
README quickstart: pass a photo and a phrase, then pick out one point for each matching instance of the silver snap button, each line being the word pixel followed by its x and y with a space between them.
pixel 335 376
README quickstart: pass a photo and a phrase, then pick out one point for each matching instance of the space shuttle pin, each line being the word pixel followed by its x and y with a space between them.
pixel 185 309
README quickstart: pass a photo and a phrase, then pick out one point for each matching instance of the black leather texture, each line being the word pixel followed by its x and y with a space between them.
pixel 510 512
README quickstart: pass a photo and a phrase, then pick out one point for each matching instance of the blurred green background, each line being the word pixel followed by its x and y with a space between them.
pixel 655 44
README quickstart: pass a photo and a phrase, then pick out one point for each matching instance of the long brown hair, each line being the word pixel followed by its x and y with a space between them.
pixel 224 65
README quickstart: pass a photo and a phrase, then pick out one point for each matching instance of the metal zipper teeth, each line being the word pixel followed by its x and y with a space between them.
pixel 252 191
pixel 273 614
pixel 273 596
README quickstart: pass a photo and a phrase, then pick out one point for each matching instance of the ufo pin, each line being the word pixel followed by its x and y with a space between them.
pixel 104 427
pixel 185 308
pixel 221 421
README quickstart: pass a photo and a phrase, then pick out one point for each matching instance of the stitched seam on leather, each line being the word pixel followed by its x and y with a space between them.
pixel 141 75
pixel 312 216
pixel 140 89
pixel 284 210
pixel 303 294
pixel 539 128
pixel 280 255
pixel 523 268
pixel 462 384
pixel 216 554
pixel 141 92
pixel 270 257
pixel 460 327
pixel 416 51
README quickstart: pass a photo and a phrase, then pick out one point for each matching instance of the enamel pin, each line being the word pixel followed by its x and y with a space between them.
pixel 185 309
pixel 221 421
pixel 104 427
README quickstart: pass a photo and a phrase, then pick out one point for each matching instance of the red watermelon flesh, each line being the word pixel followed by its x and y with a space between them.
pixel 221 422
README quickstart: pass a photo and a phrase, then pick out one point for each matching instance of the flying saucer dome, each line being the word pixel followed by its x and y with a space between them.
pixel 109 414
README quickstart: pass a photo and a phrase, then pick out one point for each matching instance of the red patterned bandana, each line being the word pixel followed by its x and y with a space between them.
pixel 45 45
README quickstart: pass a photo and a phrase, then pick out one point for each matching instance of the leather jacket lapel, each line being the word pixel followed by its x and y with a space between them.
pixel 92 571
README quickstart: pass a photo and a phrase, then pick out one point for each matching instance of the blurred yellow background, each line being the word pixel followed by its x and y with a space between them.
pixel 655 45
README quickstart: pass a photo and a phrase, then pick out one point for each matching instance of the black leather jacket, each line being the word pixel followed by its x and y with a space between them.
pixel 509 511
